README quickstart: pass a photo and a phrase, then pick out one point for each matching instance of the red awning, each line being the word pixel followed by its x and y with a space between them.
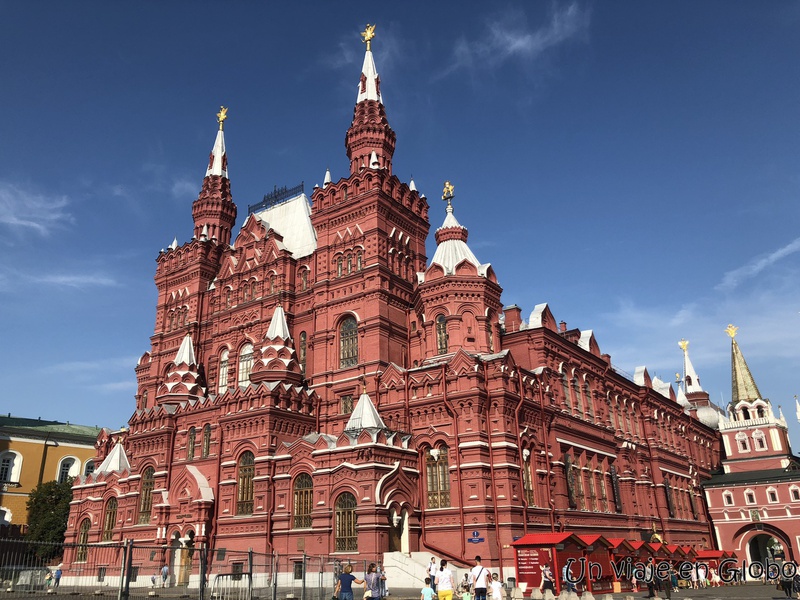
pixel 549 539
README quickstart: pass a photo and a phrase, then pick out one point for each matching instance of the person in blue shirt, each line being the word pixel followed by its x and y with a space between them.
pixel 344 587
pixel 427 592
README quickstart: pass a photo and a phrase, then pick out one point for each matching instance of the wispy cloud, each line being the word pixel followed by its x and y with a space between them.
pixel 509 37
pixel 80 280
pixel 183 188
pixel 99 365
pixel 55 279
pixel 733 278
pixel 23 209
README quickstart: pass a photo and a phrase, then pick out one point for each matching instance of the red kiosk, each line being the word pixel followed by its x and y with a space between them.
pixel 534 550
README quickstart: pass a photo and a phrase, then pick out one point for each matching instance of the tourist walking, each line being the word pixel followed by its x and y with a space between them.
pixel 479 577
pixel 432 569
pixel 444 581
pixel 344 586
pixel 374 580
pixel 164 576
pixel 548 581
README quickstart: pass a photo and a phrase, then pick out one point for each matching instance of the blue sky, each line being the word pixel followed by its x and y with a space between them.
pixel 633 164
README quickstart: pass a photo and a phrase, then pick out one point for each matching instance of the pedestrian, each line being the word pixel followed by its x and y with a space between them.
pixel 432 569
pixel 57 577
pixel 373 580
pixel 426 593
pixel 479 578
pixel 444 581
pixel 164 575
pixel 693 576
pixel 567 579
pixel 344 586
pixel 649 578
pixel 497 587
pixel 548 581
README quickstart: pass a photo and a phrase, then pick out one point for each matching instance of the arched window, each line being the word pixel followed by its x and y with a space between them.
pixel 303 501
pixel 742 442
pixel 88 469
pixel 10 463
pixel 206 441
pixel 247 471
pixel 346 522
pixel 245 293
pixel 222 385
pixel 348 343
pixel 759 440
pixel 228 297
pixel 190 444
pixel 253 290
pixel 587 395
pixel 349 264
pixel 146 495
pixel 566 390
pixel 302 351
pixel 438 477
pixel 441 334
pixel 68 468
pixel 358 260
pixel 576 392
pixel 304 279
pixel 83 539
pixel 272 287
pixel 339 266
pixel 109 520
pixel 245 365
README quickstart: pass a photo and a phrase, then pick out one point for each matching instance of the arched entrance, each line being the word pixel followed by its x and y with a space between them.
pixel 764 546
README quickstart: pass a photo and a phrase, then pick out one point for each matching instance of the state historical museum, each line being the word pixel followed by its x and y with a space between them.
pixel 317 384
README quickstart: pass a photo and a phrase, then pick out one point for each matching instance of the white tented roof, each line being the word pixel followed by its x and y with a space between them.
pixel 449 253
pixel 185 355
pixel 365 415
pixel 278 328
pixel 116 461
pixel 370 91
pixel 216 164
pixel 292 219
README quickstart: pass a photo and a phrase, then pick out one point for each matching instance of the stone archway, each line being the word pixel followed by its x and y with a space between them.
pixel 763 541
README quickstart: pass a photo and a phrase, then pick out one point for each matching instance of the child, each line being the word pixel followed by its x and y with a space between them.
pixel 497 587
pixel 427 592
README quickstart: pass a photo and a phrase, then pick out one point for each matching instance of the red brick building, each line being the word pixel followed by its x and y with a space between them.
pixel 319 385
pixel 754 502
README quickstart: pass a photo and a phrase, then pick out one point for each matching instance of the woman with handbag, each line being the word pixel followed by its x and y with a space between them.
pixel 344 587
pixel 373 579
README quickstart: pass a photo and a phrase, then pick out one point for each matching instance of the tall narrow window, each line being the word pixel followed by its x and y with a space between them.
pixel 272 284
pixel 206 441
pixel 579 489
pixel 527 477
pixel 301 354
pixel 587 395
pixel 441 334
pixel 438 477
pixel 358 260
pixel 346 522
pixel 247 471
pixel 603 493
pixel 253 290
pixel 109 520
pixel 245 365
pixel 228 297
pixel 567 395
pixel 146 495
pixel 348 343
pixel 83 539
pixel 339 266
pixel 349 264
pixel 304 280
pixel 576 392
pixel 245 293
pixel 89 468
pixel 222 385
pixel 7 467
pixel 190 444
pixel 303 500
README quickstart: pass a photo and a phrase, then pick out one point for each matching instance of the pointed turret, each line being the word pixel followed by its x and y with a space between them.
pixel 276 360
pixel 184 379
pixel 691 381
pixel 451 240
pixel 365 415
pixel 370 140
pixel 694 398
pixel 327 179
pixel 214 211
pixel 743 386
pixel 116 461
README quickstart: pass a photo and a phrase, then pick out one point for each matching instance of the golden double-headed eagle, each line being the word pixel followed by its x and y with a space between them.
pixel 447 192
pixel 221 116
pixel 368 34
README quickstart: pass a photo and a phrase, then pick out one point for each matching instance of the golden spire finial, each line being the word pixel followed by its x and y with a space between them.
pixel 731 330
pixel 448 192
pixel 684 344
pixel 368 34
pixel 221 116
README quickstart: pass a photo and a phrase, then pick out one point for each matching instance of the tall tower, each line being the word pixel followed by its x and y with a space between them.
pixel 371 230
pixel 754 438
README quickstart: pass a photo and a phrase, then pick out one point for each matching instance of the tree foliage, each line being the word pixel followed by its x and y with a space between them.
pixel 48 511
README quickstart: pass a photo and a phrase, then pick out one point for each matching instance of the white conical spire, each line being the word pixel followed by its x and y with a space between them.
pixel 278 327
pixel 369 87
pixel 218 163
pixel 204 234
pixel 327 179
pixel 185 355
pixel 411 185
pixel 373 160
pixel 365 415
pixel 690 378
pixel 452 249
pixel 116 461
pixel 174 243
pixel 797 408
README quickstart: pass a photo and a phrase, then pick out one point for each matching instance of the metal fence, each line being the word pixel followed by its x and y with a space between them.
pixel 134 570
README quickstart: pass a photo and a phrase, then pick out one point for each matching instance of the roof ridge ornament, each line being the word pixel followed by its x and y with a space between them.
pixel 221 116
pixel 368 34
pixel 684 344
pixel 731 330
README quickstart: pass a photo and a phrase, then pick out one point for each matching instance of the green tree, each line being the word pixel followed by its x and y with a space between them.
pixel 48 511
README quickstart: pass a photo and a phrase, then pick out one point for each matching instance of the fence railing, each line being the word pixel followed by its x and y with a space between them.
pixel 133 570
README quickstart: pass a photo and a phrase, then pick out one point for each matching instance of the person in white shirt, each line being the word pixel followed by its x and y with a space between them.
pixel 432 569
pixel 479 577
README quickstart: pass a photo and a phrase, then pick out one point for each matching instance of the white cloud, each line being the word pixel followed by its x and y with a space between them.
pixel 181 188
pixel 732 279
pixel 23 209
pixel 509 37
pixel 75 280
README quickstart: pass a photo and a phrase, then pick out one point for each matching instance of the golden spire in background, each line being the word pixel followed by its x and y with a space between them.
pixel 731 330
pixel 368 34
pixel 221 116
